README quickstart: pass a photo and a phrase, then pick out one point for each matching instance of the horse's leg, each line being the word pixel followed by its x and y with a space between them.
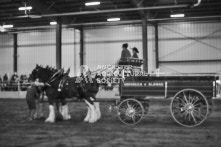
pixel 65 113
pixel 59 109
pixel 39 112
pixel 93 114
pixel 86 119
pixel 97 108
pixel 51 117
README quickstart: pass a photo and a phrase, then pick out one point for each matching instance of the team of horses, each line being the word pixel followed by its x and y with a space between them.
pixel 58 86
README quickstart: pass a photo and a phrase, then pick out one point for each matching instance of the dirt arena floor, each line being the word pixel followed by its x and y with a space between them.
pixel 158 129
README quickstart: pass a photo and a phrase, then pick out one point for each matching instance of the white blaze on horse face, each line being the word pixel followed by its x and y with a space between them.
pixel 86 119
pixel 51 117
pixel 97 108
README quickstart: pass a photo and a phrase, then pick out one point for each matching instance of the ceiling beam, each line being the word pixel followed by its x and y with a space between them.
pixel 139 4
pixel 41 7
pixel 103 11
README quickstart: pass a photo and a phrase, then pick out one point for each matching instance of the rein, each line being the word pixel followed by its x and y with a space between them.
pixel 53 77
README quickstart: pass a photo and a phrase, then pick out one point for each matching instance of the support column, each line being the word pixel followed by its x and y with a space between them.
pixel 15 56
pixel 144 41
pixel 156 45
pixel 82 46
pixel 58 44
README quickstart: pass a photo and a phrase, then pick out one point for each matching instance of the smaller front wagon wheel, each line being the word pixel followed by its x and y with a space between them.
pixel 130 111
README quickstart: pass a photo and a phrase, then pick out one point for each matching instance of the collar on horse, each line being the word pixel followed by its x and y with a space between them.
pixel 59 73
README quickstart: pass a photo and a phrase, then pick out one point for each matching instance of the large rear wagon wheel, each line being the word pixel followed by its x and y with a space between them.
pixel 189 108
pixel 130 111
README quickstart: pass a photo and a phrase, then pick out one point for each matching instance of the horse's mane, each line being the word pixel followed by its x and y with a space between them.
pixel 48 69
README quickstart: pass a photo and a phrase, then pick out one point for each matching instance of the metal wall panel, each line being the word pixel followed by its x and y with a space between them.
pixel 151 49
pixel 103 45
pixel 6 54
pixel 35 47
pixel 190 41
pixel 76 52
pixel 68 50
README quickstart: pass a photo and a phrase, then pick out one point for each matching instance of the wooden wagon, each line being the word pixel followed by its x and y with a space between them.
pixel 192 96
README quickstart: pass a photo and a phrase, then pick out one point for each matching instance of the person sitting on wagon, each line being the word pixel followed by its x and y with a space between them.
pixel 125 52
pixel 135 52
pixel 33 101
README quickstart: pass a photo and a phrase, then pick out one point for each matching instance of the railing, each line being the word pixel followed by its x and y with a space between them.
pixel 14 86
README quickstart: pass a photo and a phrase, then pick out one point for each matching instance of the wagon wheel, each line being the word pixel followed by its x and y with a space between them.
pixel 130 111
pixel 189 108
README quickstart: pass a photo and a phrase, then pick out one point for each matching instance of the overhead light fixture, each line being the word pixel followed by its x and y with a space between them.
pixel 177 15
pixel 53 23
pixel 25 8
pixel 92 3
pixel 113 19
pixel 7 26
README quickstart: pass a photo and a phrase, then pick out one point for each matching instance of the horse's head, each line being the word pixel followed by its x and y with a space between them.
pixel 35 73
pixel 41 73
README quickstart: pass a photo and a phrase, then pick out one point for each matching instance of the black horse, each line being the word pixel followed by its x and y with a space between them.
pixel 58 85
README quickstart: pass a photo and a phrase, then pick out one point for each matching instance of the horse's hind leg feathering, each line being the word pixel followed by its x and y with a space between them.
pixel 97 109
pixel 86 119
pixel 93 114
pixel 65 114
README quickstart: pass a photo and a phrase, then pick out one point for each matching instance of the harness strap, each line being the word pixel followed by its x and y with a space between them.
pixel 53 77
pixel 61 83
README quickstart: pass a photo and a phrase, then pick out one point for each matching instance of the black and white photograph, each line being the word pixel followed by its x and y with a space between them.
pixel 110 73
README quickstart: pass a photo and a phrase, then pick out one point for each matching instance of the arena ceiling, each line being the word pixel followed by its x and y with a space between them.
pixel 74 12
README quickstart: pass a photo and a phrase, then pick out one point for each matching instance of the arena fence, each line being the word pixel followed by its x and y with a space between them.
pixel 19 89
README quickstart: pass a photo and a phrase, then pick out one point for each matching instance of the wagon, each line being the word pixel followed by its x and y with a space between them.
pixel 192 97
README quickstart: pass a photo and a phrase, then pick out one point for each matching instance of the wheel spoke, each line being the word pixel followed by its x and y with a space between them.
pixel 194 119
pixel 182 101
pixel 128 105
pixel 133 119
pixel 189 116
pixel 130 111
pixel 193 98
pixel 189 97
pixel 177 107
pixel 189 107
pixel 185 97
pixel 196 100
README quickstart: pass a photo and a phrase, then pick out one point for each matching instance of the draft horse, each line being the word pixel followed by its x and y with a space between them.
pixel 59 86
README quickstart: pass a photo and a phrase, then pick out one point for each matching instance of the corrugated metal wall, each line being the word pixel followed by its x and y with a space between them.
pixel 39 47
pixel 188 42
pixel 103 45
pixel 6 54
pixel 35 48
pixel 76 52
pixel 69 53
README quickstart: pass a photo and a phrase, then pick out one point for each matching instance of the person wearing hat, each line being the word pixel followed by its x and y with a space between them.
pixel 135 52
pixel 125 52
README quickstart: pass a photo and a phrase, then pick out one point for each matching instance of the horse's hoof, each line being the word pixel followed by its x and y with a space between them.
pixel 49 121
pixel 67 117
pixel 91 121
pixel 85 121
